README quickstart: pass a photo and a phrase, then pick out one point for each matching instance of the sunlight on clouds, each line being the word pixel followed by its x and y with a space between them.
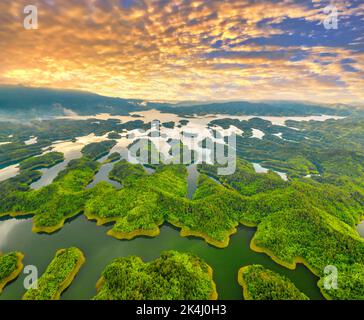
pixel 180 50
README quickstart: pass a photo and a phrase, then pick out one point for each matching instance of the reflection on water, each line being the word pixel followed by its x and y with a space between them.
pixel 360 228
pixel 150 115
pixel 197 128
pixel 32 140
pixel 48 175
pixel 71 150
pixel 7 226
pixel 103 175
pixel 259 169
pixel 279 135
pixel 9 172
pixel 100 249
pixel 283 175
pixel 259 134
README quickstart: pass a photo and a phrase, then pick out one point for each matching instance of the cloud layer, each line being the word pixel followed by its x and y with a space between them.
pixel 187 49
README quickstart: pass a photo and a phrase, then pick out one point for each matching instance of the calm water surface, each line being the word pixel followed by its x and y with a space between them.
pixel 100 249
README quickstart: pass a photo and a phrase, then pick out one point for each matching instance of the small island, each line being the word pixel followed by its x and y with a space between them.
pixel 58 275
pixel 173 276
pixel 114 135
pixel 64 198
pixel 44 161
pixel 260 283
pixel 97 150
pixel 10 267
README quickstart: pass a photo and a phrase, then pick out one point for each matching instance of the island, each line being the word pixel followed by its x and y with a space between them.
pixel 172 276
pixel 113 135
pixel 309 218
pixel 259 283
pixel 10 267
pixel 58 275
pixel 44 161
pixel 62 199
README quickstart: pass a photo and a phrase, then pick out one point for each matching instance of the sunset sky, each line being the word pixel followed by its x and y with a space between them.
pixel 187 49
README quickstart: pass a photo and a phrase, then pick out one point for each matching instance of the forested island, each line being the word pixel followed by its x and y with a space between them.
pixel 10 267
pixel 259 283
pixel 62 199
pixel 308 218
pixel 172 276
pixel 58 275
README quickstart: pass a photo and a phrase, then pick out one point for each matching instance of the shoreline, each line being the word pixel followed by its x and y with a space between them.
pixel 243 283
pixel 14 274
pixel 43 166
pixel 184 232
pixel 213 295
pixel 291 266
pixel 36 229
pixel 52 229
pixel 99 284
pixel 288 265
pixel 68 280
pixel 15 214
pixel 124 235
pixel 133 234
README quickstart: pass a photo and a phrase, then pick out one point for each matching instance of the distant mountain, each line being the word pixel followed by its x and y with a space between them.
pixel 267 108
pixel 29 103
pixel 40 102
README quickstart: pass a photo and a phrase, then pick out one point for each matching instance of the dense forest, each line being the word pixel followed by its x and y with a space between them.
pixel 263 284
pixel 310 219
pixel 62 199
pixel 45 161
pixel 10 267
pixel 96 150
pixel 58 275
pixel 172 276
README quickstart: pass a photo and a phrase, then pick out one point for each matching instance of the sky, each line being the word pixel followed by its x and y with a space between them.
pixel 180 50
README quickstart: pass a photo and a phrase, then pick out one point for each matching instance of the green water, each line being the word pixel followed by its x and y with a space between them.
pixel 100 249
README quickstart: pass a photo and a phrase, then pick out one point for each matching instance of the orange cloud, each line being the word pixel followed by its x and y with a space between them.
pixel 164 50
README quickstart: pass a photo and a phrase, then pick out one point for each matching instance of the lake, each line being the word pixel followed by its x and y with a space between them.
pixel 100 249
